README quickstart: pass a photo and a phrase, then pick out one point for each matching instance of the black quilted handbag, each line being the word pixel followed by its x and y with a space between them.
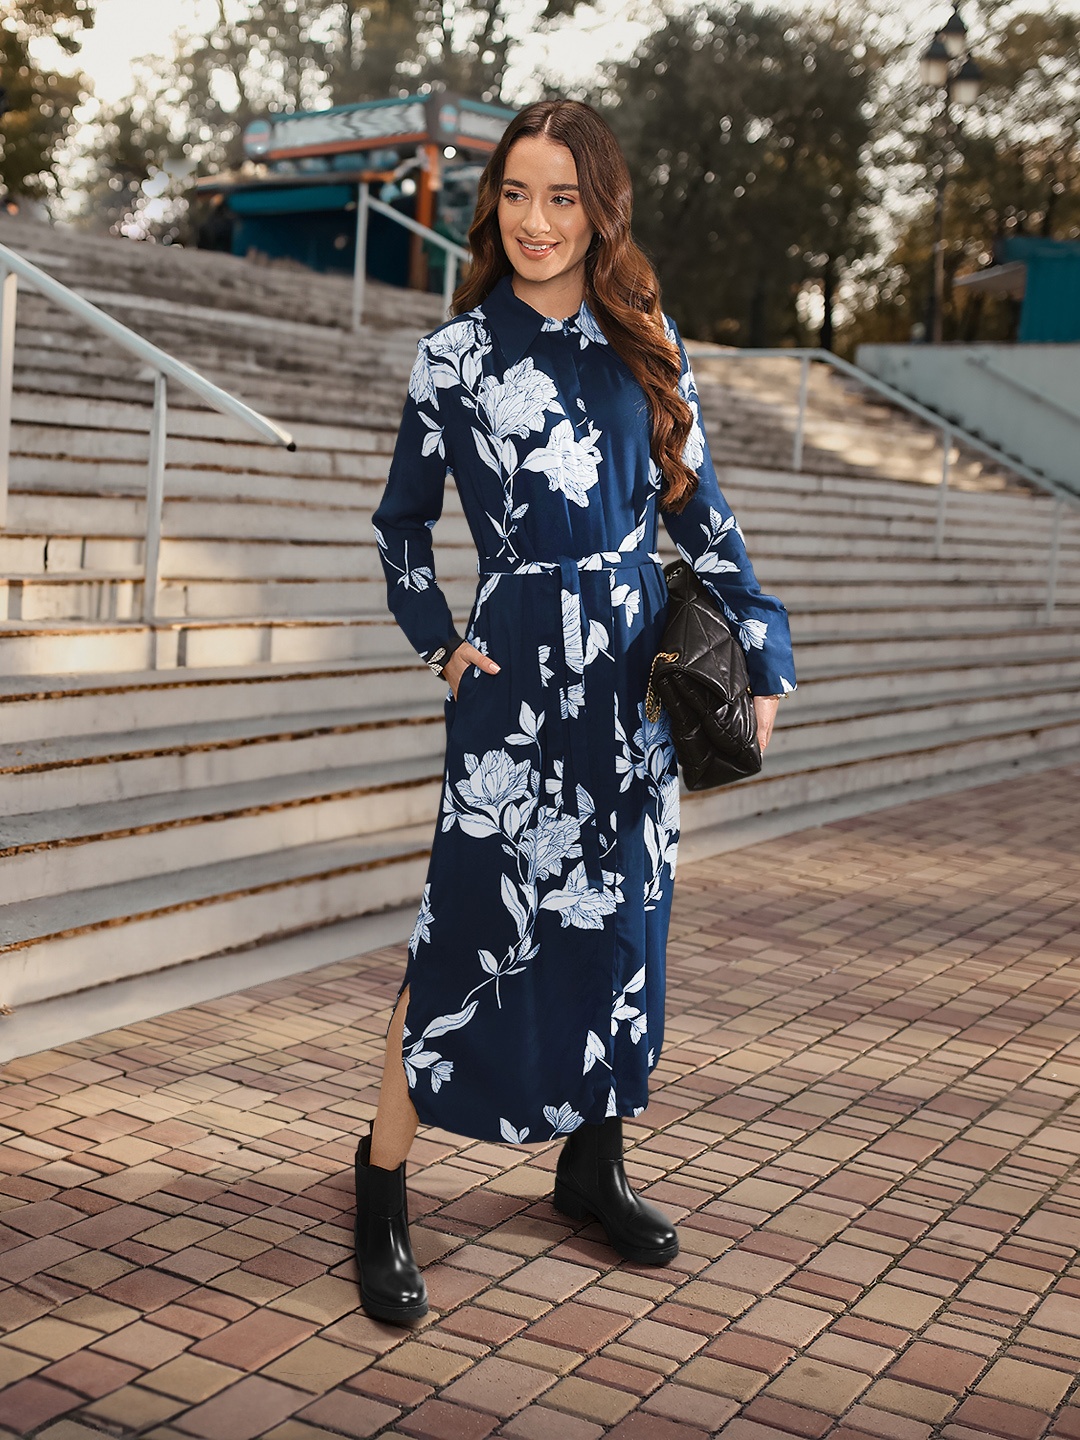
pixel 699 676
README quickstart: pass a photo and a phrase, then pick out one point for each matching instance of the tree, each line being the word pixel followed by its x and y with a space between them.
pixel 746 131
pixel 401 45
pixel 265 55
pixel 136 164
pixel 1016 172
pixel 374 42
pixel 40 102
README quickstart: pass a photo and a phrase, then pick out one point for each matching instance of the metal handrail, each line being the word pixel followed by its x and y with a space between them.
pixel 950 434
pixel 14 267
pixel 1028 391
pixel 365 203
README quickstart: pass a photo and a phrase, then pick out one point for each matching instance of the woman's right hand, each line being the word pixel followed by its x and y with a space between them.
pixel 464 656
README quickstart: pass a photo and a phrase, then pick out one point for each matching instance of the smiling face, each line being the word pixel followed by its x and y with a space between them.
pixel 543 224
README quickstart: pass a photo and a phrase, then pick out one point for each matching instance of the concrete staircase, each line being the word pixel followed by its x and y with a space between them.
pixel 249 786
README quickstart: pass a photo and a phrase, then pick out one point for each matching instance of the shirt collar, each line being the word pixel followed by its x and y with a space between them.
pixel 514 323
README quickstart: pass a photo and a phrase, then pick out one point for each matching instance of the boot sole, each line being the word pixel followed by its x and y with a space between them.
pixel 568 1203
pixel 390 1314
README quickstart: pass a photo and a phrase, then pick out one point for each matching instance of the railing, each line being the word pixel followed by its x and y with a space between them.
pixel 1047 402
pixel 13 268
pixel 365 203
pixel 951 435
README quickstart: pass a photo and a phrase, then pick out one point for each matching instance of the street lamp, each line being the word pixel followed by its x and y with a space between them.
pixel 946 65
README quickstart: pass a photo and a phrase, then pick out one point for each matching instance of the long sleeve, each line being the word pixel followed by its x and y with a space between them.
pixel 707 535
pixel 411 504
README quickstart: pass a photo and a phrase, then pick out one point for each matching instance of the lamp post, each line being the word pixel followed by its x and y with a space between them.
pixel 948 66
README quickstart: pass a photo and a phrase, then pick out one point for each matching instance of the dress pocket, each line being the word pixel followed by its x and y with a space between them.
pixel 471 677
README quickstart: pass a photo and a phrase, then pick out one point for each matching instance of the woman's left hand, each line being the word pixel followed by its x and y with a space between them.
pixel 765 708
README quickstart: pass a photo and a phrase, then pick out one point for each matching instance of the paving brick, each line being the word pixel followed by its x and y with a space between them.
pixel 429 1363
pixel 789 1419
pixel 897 1306
pixel 852 1354
pixel 51 1338
pixel 349 1413
pixel 190 1378
pixel 316 1365
pixel 939 1367
pixel 385 1385
pixel 556 1359
pixel 747 1271
pixel 643 1426
pixel 133 1409
pixel 69 1430
pixel 321 1301
pixel 551 1280
pixel 579 1327
pixel 142 1343
pixel 436 1420
pixel 913 1401
pixel 996 1417
pixel 1059 1312
pixel 31 1402
pixel 242 1412
pixel 886 1029
pixel 477 1323
pixel 719 1377
pixel 89 1374
pixel 537 1422
pixel 751 1351
pixel 1036 1386
pixel 146 1290
pixel 22 1261
pixel 818 1386
pixel 689 1406
pixel 849 1262
pixel 254 1341
pixel 781 1320
pixel 590 1401
pixel 499 1386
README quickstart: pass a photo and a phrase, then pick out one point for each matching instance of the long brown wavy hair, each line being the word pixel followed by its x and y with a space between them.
pixel 621 287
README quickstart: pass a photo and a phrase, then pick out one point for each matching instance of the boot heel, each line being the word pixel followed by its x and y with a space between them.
pixel 569 1203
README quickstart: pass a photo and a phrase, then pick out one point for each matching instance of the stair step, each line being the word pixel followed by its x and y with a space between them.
pixel 814 777
pixel 84 706
pixel 50 853
pixel 267 758
pixel 141 926
pixel 57 1020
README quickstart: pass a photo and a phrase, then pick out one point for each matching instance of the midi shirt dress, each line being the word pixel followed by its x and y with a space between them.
pixel 536 965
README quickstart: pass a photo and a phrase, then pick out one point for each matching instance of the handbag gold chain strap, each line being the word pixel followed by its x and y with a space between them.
pixel 652 700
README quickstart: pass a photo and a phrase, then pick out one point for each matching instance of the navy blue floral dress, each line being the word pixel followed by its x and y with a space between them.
pixel 536 966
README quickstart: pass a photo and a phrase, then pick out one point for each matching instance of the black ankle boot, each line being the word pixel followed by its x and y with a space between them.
pixel 590 1180
pixel 391 1286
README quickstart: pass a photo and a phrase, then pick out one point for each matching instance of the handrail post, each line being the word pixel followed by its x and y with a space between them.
pixel 9 294
pixel 943 491
pixel 155 499
pixel 1056 519
pixel 800 424
pixel 360 258
pixel 449 281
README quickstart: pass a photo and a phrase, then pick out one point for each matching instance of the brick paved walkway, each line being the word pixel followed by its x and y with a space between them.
pixel 866 1122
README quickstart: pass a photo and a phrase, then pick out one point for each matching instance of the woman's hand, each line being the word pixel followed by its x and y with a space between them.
pixel 765 708
pixel 464 656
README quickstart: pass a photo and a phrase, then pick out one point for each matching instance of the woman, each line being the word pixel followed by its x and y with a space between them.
pixel 561 399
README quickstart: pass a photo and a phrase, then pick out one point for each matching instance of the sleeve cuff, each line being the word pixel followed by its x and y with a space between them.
pixel 436 659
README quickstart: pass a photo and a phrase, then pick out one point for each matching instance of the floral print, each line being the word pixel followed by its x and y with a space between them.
pixel 536 964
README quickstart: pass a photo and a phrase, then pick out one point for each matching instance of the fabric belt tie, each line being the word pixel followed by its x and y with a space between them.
pixel 573 632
